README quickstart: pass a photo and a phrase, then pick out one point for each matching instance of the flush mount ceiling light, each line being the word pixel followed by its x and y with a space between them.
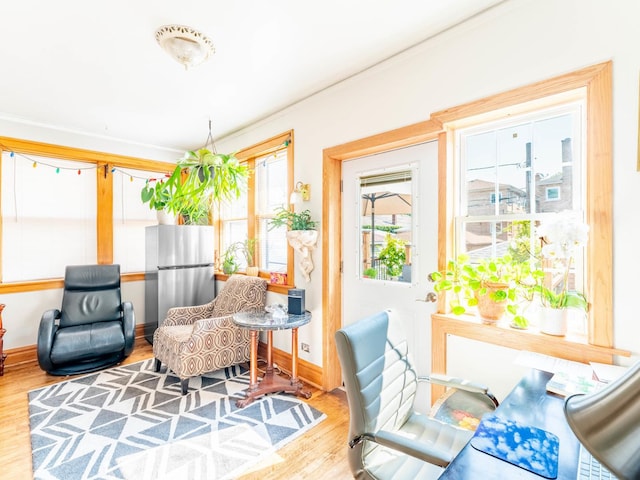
pixel 188 46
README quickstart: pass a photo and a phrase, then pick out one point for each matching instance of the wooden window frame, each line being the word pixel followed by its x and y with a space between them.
pixel 249 155
pixel 597 80
pixel 104 205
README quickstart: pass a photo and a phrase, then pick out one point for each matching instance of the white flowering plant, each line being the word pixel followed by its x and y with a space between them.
pixel 562 236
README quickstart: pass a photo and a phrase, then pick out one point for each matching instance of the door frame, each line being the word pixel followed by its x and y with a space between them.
pixel 333 157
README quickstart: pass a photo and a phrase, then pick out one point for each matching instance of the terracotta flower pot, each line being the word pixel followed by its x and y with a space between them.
pixel 489 310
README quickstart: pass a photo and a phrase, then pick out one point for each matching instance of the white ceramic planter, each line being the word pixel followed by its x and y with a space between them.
pixel 304 242
pixel 165 218
pixel 553 321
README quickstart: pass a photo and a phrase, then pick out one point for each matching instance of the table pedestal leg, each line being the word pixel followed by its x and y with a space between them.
pixel 271 382
pixel 294 366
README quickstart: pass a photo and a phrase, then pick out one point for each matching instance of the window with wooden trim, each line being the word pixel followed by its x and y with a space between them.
pixel 518 160
pixel 48 212
pixel 64 205
pixel 271 164
pixel 131 217
pixel 596 84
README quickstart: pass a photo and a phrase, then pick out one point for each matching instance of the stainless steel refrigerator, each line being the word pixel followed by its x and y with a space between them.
pixel 179 270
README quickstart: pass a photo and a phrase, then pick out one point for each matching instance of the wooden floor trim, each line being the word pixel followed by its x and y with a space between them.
pixel 29 353
pixel 307 371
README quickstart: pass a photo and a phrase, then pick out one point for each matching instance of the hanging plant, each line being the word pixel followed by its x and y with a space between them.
pixel 200 178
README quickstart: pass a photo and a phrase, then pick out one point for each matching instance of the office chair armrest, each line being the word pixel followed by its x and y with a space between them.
pixel 406 445
pixel 460 384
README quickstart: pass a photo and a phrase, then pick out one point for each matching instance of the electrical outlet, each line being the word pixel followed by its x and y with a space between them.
pixel 304 347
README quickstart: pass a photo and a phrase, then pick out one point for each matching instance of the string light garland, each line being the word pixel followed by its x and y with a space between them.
pixel 36 163
pixel 57 168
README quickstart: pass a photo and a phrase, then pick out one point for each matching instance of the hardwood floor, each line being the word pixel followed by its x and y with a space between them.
pixel 320 453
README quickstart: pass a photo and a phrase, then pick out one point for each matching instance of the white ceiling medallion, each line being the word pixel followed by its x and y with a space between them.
pixel 186 45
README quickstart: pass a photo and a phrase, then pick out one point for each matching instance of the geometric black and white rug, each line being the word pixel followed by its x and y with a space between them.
pixel 129 422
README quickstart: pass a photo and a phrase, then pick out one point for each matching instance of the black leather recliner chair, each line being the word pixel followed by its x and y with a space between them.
pixel 93 329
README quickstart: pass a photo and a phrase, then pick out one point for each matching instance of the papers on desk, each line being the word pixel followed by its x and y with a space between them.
pixel 565 384
pixel 571 377
pixel 607 373
pixel 597 371
pixel 550 364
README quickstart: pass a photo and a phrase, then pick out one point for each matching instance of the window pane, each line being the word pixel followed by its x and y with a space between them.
pixel 386 225
pixel 514 173
pixel 553 164
pixel 49 216
pixel 235 231
pixel 271 183
pixel 498 166
pixel 236 208
pixel 130 217
pixel 233 223
pixel 523 169
pixel 485 240
pixel 519 165
pixel 272 180
pixel 273 248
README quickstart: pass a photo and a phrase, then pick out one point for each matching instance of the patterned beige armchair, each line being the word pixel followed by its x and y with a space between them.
pixel 203 338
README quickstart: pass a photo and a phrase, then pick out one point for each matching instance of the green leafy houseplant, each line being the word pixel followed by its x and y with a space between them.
pixel 469 284
pixel 292 220
pixel 245 248
pixel 156 193
pixel 229 262
pixel 248 249
pixel 393 256
pixel 199 178
pixel 370 272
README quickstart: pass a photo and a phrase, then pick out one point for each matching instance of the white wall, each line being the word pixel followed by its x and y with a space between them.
pixel 517 43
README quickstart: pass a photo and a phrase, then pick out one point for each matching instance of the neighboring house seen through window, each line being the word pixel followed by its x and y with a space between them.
pixel 533 163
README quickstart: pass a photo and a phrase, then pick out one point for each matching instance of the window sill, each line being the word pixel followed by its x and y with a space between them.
pixel 571 347
pixel 575 348
pixel 271 287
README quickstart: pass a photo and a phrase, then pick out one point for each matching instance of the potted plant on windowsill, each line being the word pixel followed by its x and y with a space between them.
pixel 229 261
pixel 562 235
pixel 199 178
pixel 301 234
pixel 494 286
pixel 248 249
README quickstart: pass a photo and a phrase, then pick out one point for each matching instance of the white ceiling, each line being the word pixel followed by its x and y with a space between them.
pixel 95 67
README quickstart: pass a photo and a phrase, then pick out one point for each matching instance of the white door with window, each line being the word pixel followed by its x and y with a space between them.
pixel 389 240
